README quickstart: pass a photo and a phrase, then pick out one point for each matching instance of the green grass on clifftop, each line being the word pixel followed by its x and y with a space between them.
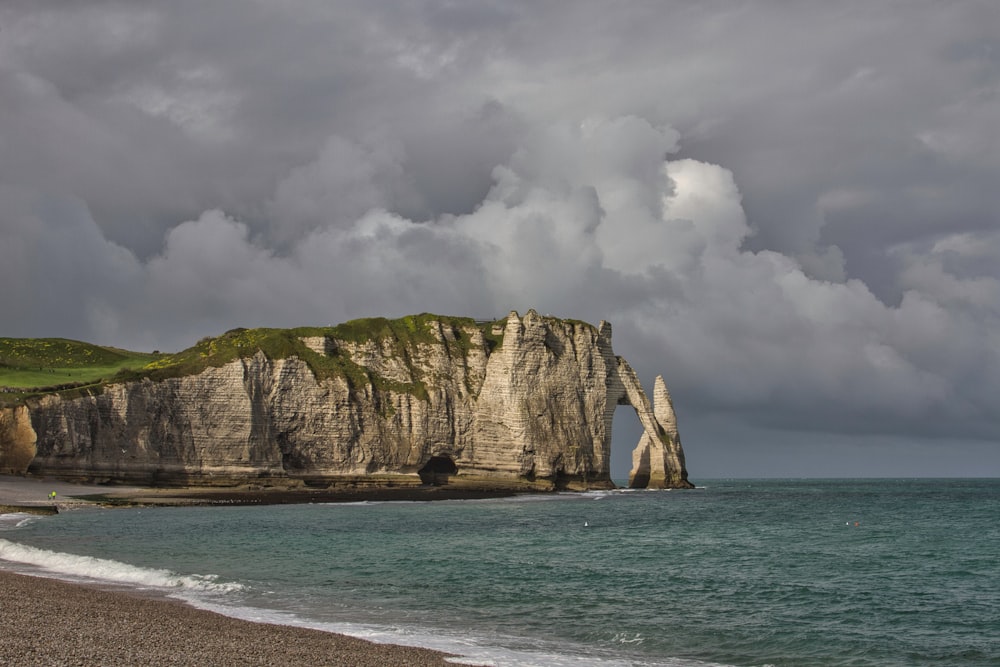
pixel 46 365
pixel 38 366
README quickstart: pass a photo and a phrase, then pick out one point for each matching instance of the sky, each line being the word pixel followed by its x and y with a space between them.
pixel 789 210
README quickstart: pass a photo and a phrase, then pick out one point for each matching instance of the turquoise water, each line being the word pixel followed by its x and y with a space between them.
pixel 740 572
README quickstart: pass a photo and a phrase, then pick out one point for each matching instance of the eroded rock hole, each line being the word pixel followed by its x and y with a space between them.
pixel 437 470
pixel 561 480
pixel 626 431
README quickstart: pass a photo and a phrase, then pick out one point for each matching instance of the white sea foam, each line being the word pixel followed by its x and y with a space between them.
pixel 498 651
pixel 88 567
pixel 15 520
pixel 467 650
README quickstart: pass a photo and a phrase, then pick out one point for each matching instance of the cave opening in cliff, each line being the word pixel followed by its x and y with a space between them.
pixel 437 470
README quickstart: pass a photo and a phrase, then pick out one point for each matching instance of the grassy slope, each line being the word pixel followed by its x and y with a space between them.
pixel 37 364
pixel 40 362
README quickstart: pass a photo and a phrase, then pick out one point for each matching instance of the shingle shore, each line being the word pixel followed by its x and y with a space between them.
pixel 49 622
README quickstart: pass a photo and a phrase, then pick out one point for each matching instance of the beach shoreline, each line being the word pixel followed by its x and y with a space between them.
pixel 49 621
pixel 52 622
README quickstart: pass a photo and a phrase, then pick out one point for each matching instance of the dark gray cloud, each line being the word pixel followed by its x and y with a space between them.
pixel 789 210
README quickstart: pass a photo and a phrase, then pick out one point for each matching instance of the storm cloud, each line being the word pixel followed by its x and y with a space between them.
pixel 788 210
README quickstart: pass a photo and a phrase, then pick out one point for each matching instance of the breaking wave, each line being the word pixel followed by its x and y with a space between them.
pixel 72 565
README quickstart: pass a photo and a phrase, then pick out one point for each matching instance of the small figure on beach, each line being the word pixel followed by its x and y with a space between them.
pixel 52 495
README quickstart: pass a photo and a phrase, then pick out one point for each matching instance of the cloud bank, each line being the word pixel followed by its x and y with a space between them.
pixel 790 213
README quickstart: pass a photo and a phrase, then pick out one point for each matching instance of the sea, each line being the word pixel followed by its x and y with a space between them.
pixel 740 573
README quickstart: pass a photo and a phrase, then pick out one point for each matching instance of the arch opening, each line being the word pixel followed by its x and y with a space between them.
pixel 626 432
pixel 438 470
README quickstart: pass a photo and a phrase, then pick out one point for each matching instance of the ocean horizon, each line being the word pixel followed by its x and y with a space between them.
pixel 738 572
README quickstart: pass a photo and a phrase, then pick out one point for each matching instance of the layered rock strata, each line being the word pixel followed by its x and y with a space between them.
pixel 521 403
pixel 17 440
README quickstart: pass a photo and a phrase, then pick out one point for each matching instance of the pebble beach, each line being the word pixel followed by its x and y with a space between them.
pixel 50 622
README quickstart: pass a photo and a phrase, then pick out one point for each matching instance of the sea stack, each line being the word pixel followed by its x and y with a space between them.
pixel 658 459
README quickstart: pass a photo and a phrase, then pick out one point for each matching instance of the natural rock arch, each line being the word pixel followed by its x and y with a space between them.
pixel 658 459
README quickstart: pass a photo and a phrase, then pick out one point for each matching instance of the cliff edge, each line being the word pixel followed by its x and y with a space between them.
pixel 519 403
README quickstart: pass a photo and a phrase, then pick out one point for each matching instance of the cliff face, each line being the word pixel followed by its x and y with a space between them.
pixel 527 403
pixel 17 440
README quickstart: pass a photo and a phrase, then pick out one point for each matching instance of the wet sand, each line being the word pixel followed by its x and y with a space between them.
pixel 49 622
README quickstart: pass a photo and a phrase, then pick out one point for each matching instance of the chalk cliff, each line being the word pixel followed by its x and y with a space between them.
pixel 658 459
pixel 519 403
pixel 17 440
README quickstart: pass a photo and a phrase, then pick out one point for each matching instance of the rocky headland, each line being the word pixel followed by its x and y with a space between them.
pixel 517 404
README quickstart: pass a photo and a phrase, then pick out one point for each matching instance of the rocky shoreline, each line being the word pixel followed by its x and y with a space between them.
pixel 30 494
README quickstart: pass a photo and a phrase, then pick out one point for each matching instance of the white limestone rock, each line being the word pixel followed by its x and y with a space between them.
pixel 533 411
pixel 658 459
